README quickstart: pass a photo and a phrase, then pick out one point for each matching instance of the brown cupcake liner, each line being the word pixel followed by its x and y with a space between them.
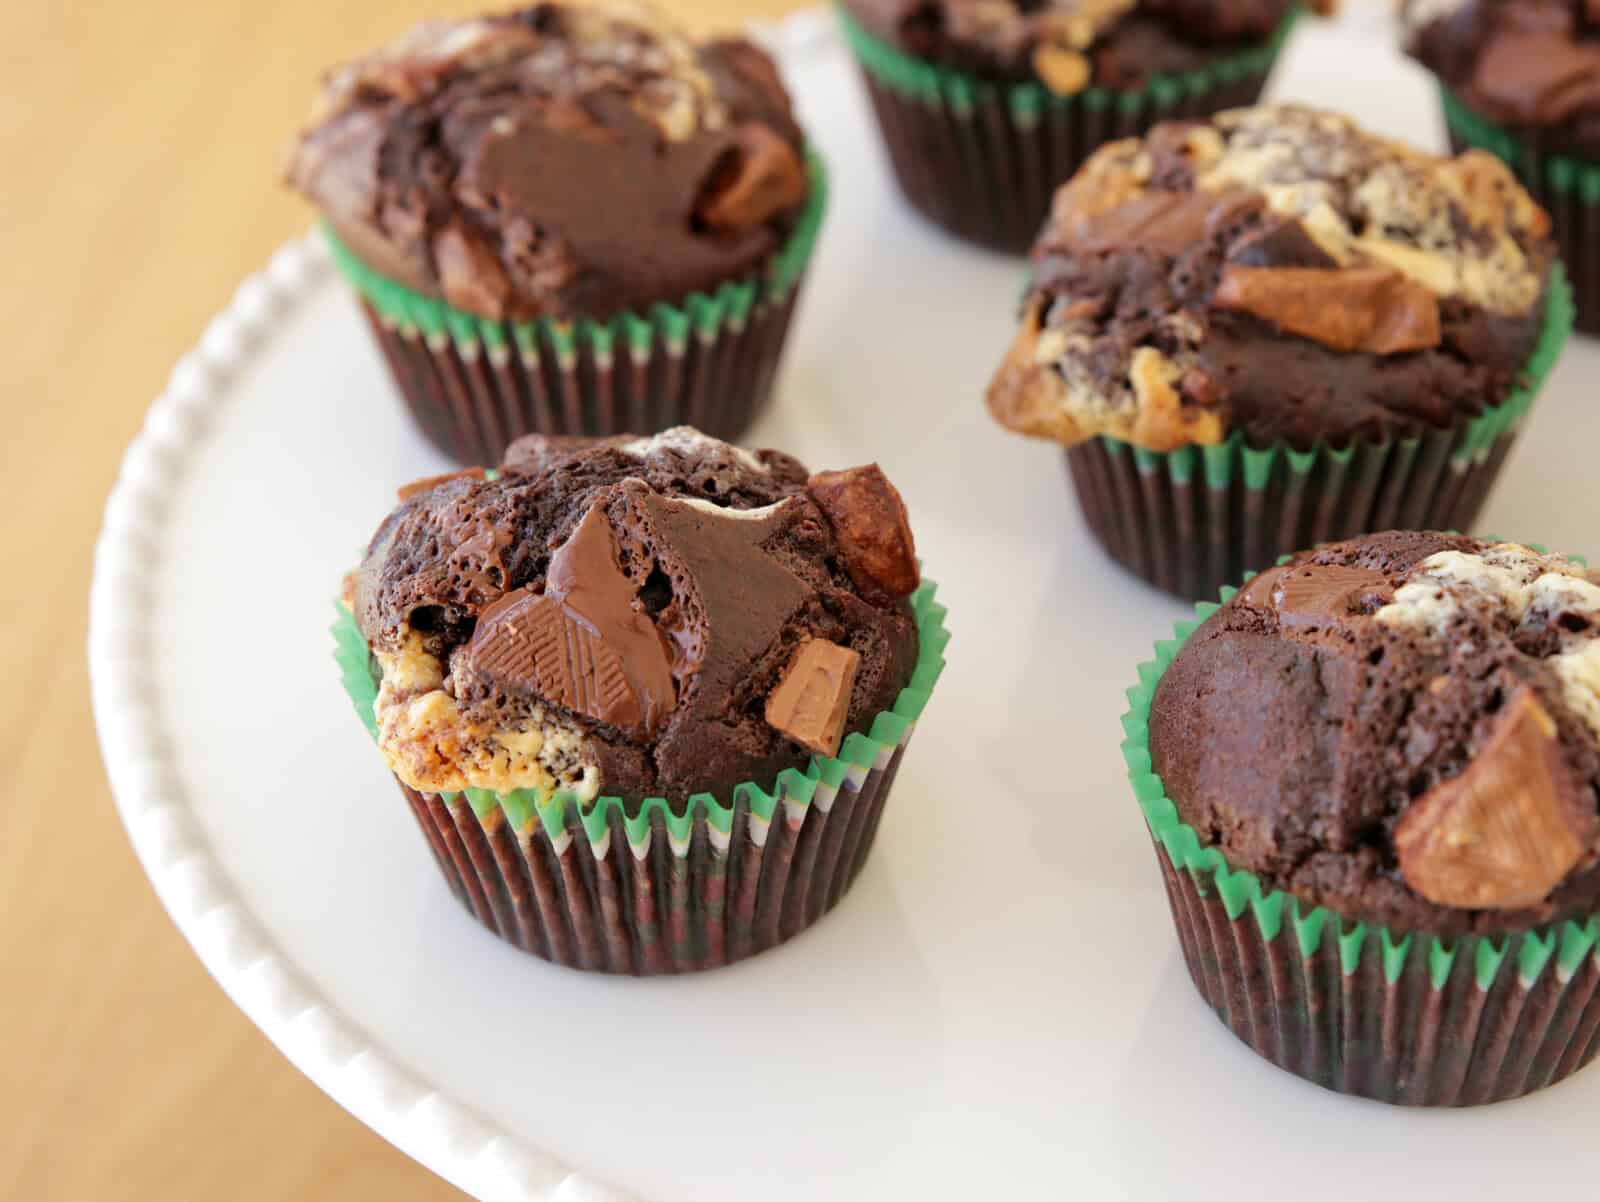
pixel 664 903
pixel 1406 1039
pixel 473 399
pixel 983 161
pixel 1191 536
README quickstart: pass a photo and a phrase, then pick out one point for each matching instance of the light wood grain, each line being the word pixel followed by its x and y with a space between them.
pixel 142 144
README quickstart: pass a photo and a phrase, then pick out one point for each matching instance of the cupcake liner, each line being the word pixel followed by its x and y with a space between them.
pixel 666 889
pixel 983 160
pixel 1193 520
pixel 475 385
pixel 1406 1018
pixel 1567 188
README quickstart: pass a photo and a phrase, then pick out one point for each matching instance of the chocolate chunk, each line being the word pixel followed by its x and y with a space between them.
pixel 1369 309
pixel 1285 244
pixel 759 179
pixel 407 491
pixel 583 643
pixel 1065 72
pixel 874 536
pixel 1158 221
pixel 1310 594
pixel 536 648
pixel 810 702
pixel 1544 78
pixel 1502 834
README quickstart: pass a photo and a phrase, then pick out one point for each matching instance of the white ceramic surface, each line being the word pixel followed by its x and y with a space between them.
pixel 997 1010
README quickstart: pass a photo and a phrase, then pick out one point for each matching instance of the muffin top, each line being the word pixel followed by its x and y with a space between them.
pixel 1069 45
pixel 1279 272
pixel 634 618
pixel 1404 728
pixel 564 160
pixel 1526 63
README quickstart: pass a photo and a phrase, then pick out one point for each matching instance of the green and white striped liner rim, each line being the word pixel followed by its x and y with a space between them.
pixel 794 789
pixel 700 314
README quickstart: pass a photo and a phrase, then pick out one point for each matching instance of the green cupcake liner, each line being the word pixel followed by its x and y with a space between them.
pixel 1566 187
pixel 729 877
pixel 1193 520
pixel 475 384
pixel 1400 1016
pixel 983 159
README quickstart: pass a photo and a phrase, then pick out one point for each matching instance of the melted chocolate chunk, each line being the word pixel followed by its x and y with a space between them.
pixel 585 643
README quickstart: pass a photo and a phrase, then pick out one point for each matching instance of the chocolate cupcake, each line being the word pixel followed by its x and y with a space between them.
pixel 567 219
pixel 1372 780
pixel 987 105
pixel 1521 79
pixel 1271 329
pixel 645 697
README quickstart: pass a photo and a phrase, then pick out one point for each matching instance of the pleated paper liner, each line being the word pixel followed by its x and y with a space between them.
pixel 663 889
pixel 474 385
pixel 983 160
pixel 1567 188
pixel 1194 520
pixel 1406 1018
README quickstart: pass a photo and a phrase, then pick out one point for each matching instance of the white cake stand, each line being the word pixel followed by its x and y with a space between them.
pixel 998 1010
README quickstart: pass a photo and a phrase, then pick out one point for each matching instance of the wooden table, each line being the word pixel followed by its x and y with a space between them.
pixel 142 147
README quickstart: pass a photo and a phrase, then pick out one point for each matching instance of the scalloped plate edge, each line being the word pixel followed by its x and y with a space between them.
pixel 342 1059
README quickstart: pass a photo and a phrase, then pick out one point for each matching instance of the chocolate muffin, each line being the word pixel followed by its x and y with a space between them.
pixel 986 105
pixel 1521 79
pixel 651 641
pixel 1270 329
pixel 1391 744
pixel 568 218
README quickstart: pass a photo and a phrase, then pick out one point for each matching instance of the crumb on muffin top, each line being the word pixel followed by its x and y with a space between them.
pixel 1403 727
pixel 636 618
pixel 1279 272
pixel 565 160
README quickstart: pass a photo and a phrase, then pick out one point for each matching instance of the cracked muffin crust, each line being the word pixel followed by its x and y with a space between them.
pixel 634 618
pixel 1070 45
pixel 1404 728
pixel 1278 272
pixel 562 160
